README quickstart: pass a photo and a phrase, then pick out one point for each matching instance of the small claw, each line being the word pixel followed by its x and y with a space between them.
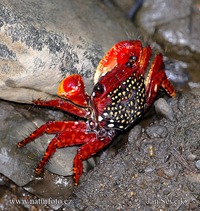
pixel 72 88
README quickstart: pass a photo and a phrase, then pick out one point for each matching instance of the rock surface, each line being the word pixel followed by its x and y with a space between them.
pixel 175 26
pixel 10 192
pixel 40 39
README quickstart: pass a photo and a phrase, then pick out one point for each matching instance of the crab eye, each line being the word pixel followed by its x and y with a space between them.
pixel 129 64
pixel 131 61
pixel 98 90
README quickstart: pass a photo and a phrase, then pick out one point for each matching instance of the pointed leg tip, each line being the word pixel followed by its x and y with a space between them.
pixel 20 145
pixel 38 171
pixel 76 176
pixel 173 94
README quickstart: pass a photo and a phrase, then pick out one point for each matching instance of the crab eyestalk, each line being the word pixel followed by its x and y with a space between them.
pixel 72 88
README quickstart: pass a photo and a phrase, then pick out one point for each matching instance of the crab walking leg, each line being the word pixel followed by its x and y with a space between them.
pixel 144 59
pixel 61 140
pixel 157 78
pixel 86 151
pixel 54 127
pixel 63 105
pixel 168 86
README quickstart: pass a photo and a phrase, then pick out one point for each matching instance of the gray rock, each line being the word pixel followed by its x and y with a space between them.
pixel 174 25
pixel 156 131
pixel 191 157
pixel 52 189
pixel 164 109
pixel 197 164
pixel 41 42
pixel 135 134
pixel 176 71
pixel 194 85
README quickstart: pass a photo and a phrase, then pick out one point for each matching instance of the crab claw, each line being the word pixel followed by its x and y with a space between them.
pixel 72 88
pixel 119 54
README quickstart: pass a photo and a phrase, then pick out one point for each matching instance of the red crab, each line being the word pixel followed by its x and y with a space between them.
pixel 119 98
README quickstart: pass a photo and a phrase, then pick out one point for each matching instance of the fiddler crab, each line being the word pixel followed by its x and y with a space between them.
pixel 120 96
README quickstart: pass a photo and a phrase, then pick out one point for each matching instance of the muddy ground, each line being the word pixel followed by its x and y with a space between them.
pixel 157 169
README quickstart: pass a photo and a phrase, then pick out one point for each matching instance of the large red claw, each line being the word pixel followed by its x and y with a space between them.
pixel 119 54
pixel 72 88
